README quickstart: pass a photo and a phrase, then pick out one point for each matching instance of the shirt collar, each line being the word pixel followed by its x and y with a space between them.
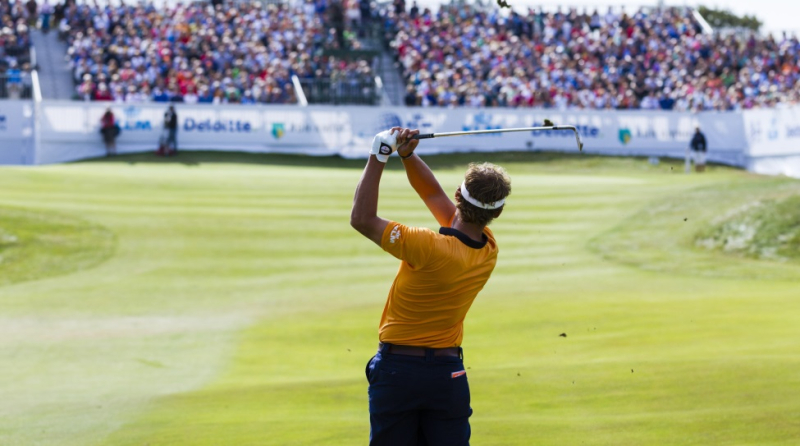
pixel 464 238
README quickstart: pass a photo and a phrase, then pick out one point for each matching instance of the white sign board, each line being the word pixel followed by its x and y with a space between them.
pixel 71 130
pixel 774 132
pixel 603 132
pixel 16 132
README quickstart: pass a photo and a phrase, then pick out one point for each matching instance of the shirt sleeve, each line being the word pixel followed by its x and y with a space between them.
pixel 413 245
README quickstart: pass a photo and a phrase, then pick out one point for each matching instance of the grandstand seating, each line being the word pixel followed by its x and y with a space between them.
pixel 657 59
pixel 199 53
pixel 15 60
pixel 453 57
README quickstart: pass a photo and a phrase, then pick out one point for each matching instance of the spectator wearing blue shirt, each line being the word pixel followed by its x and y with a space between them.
pixel 666 102
pixel 14 81
pixel 160 95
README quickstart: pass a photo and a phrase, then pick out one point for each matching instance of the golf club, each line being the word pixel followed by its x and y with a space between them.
pixel 548 126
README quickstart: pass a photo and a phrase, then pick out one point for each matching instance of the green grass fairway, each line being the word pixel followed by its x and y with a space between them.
pixel 223 299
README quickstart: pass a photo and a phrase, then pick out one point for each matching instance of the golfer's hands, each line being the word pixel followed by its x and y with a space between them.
pixel 383 145
pixel 405 145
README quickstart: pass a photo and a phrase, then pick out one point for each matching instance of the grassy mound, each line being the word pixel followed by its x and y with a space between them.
pixel 35 244
pixel 689 233
pixel 760 230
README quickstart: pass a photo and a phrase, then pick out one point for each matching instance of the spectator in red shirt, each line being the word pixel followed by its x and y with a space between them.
pixel 110 131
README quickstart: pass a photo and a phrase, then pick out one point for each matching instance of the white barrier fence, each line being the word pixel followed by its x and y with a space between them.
pixel 16 132
pixel 67 131
pixel 773 138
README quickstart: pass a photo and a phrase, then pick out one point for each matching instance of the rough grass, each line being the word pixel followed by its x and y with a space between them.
pixel 767 230
pixel 240 308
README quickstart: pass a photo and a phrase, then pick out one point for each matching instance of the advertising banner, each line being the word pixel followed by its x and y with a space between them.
pixel 71 130
pixel 774 132
pixel 603 132
pixel 16 132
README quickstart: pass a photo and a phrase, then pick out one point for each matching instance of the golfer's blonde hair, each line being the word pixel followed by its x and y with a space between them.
pixel 486 183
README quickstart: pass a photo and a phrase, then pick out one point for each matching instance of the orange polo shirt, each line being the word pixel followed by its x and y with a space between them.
pixel 439 278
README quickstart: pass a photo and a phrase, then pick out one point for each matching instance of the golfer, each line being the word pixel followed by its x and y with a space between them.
pixel 418 390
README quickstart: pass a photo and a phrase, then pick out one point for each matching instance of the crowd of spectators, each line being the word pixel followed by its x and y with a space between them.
pixel 455 56
pixel 15 21
pixel 657 59
pixel 205 53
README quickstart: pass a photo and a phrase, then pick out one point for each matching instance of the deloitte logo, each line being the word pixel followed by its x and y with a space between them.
pixel 207 125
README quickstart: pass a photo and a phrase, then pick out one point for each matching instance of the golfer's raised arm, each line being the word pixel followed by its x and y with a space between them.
pixel 364 215
pixel 428 188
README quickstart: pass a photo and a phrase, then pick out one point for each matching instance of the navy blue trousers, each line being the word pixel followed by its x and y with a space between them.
pixel 418 400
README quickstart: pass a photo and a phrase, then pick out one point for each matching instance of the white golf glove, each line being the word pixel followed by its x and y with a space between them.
pixel 383 145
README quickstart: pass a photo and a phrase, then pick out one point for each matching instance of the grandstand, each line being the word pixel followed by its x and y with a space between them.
pixel 15 50
pixel 651 59
pixel 495 66
pixel 247 53
pixel 357 52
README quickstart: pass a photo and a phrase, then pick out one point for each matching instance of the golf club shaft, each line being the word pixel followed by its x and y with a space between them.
pixel 483 132
pixel 521 129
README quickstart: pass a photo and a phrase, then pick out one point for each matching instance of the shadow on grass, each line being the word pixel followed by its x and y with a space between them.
pixel 552 161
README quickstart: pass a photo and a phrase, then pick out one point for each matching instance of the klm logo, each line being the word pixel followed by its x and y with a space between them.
pixel 132 121
pixel 137 125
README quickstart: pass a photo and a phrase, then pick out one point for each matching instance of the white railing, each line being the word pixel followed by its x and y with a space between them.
pixel 298 91
pixel 37 87
pixel 707 28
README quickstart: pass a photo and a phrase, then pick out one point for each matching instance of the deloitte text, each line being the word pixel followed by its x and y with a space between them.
pixel 207 125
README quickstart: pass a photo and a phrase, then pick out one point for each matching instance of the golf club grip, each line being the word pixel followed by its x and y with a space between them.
pixel 423 136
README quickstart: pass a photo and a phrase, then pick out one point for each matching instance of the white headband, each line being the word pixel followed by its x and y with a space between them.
pixel 465 194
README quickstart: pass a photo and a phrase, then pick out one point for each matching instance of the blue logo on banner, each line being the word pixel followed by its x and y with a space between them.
pixel 2 122
pixel 625 136
pixel 278 130
pixel 387 121
pixel 793 132
pixel 131 123
pixel 755 131
pixel 481 121
pixel 207 125
pixel 586 131
pixel 773 131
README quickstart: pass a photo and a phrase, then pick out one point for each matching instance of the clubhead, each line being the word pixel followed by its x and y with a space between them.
pixel 580 141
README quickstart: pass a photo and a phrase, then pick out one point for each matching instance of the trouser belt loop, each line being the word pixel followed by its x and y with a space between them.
pixel 429 354
pixel 384 348
pixel 461 353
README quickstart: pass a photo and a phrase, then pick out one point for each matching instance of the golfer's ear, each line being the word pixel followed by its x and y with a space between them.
pixel 497 212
